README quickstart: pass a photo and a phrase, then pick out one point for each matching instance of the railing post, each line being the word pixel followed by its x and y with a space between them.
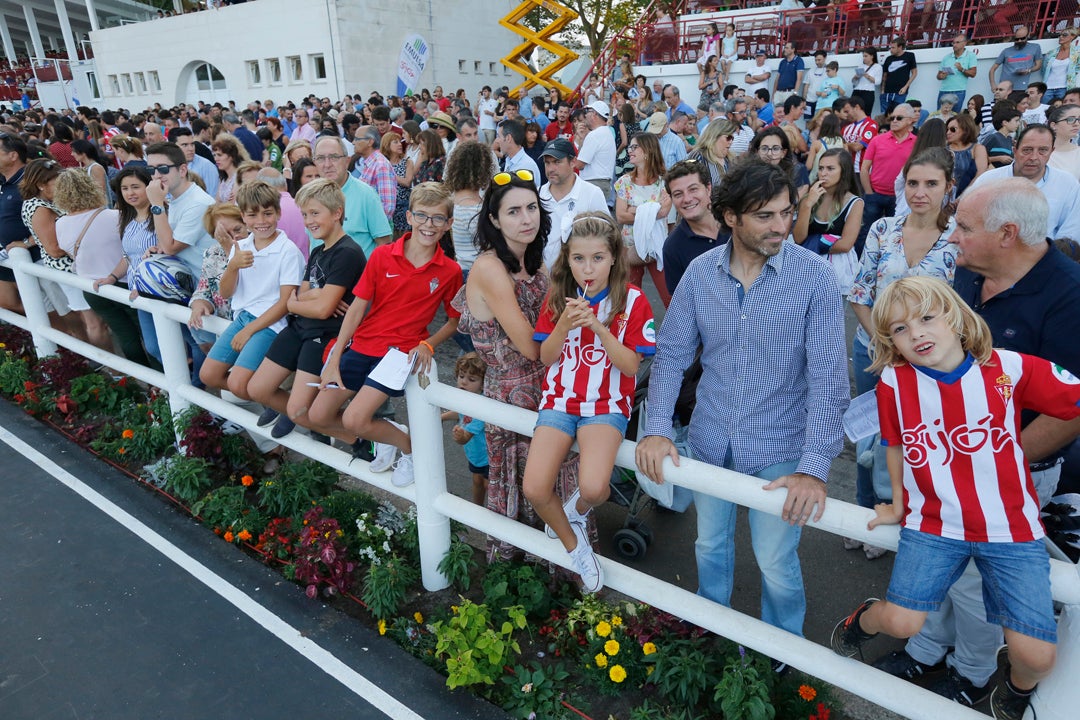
pixel 33 300
pixel 1060 691
pixel 173 356
pixel 429 466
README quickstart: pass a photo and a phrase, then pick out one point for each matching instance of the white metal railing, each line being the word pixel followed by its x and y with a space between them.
pixel 436 506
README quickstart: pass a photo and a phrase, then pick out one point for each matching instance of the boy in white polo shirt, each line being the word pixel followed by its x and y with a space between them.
pixel 264 270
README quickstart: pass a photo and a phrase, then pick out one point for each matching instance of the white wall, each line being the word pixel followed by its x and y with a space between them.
pixel 359 42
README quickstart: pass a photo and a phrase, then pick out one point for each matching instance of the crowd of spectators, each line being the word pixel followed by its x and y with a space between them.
pixel 875 185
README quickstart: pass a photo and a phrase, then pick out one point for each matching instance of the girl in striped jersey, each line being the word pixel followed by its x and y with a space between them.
pixel 950 410
pixel 593 330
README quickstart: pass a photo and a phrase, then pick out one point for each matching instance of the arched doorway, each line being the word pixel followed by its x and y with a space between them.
pixel 199 80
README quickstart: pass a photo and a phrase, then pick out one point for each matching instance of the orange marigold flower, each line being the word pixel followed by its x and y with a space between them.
pixel 244 535
pixel 121 451
pixel 229 537
pixel 128 434
pixel 807 693
pixel 247 481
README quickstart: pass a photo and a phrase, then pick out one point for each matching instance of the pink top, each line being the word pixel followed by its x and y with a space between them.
pixel 292 224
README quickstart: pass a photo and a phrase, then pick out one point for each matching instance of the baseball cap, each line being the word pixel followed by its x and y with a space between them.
pixel 601 108
pixel 761 53
pixel 657 121
pixel 559 148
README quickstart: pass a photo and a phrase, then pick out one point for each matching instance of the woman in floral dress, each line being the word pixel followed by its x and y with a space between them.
pixel 499 307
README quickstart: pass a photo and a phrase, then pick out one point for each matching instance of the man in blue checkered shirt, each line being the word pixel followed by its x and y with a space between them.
pixel 769 319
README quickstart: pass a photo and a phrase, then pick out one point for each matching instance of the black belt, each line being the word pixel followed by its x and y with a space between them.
pixel 1045 464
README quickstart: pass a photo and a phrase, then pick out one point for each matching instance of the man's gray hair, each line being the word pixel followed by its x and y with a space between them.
pixel 371 133
pixel 731 103
pixel 1017 201
pixel 272 177
pixel 718 107
pixel 433 107
pixel 396 113
pixel 466 122
pixel 674 90
pixel 346 147
pixel 906 108
pixel 230 118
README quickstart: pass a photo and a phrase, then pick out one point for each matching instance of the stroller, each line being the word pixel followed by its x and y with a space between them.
pixel 632 489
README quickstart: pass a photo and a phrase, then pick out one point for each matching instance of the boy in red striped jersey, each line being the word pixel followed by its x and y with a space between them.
pixel 949 406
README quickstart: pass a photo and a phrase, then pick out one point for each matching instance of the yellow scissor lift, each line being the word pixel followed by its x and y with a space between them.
pixel 534 39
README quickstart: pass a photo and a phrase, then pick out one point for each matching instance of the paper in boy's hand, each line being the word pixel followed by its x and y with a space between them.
pixel 393 370
pixel 861 418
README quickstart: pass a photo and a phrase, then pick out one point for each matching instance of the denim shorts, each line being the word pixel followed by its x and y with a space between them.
pixel 569 424
pixel 253 351
pixel 1016 579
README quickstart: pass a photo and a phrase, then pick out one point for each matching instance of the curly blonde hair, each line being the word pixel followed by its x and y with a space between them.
pixel 77 192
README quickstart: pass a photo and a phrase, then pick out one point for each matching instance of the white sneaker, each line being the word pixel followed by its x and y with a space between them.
pixel 584 561
pixel 403 471
pixel 385 453
pixel 570 508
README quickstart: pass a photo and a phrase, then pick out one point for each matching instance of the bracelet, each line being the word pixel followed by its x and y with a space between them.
pixel 426 344
pixel 115 279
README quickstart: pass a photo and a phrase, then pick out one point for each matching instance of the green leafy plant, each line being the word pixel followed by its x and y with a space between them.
pixel 412 634
pixel 386 584
pixel 186 478
pixel 536 691
pixel 14 374
pixel 475 650
pixel 458 563
pixel 743 691
pixel 649 711
pixel 684 671
pixel 509 583
pixel 346 506
pixel 94 393
pixel 296 487
pixel 227 508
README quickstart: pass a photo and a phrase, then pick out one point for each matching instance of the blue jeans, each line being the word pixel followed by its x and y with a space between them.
pixel 892 99
pixel 961 620
pixel 875 207
pixel 775 544
pixel 1053 94
pixel 149 335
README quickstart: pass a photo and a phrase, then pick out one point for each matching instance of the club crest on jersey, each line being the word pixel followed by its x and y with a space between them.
pixel 619 325
pixel 1004 387
pixel 433 285
pixel 1064 375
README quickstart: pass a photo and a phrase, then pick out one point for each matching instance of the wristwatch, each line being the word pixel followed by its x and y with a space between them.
pixel 156 209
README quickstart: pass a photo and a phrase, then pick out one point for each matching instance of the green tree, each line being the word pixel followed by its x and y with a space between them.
pixel 600 19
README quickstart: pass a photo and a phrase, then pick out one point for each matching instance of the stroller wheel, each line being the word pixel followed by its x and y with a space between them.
pixel 629 544
pixel 643 530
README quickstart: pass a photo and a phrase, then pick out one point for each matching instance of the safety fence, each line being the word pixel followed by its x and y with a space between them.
pixel 436 507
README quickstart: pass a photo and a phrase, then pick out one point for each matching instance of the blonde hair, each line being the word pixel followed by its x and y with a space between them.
pixel 128 144
pixel 256 196
pixel 323 191
pixel 431 194
pixel 77 192
pixel 563 285
pixel 218 212
pixel 925 295
pixel 246 167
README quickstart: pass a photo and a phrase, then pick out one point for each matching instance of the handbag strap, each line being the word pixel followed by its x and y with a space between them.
pixel 75 250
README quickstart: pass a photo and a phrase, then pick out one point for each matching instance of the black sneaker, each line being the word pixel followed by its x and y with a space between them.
pixel 282 427
pixel 1007 704
pixel 958 688
pixel 779 667
pixel 899 664
pixel 362 450
pixel 268 416
pixel 847 637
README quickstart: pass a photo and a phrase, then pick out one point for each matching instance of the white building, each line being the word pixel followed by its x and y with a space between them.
pixel 286 49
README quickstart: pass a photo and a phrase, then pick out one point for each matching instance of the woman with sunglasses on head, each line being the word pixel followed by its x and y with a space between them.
pixel 228 155
pixel 1065 122
pixel 499 307
pixel 644 183
pixel 774 147
pixel 714 148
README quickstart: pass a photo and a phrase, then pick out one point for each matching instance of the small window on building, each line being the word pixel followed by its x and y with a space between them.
pixel 114 83
pixel 91 80
pixel 155 81
pixel 491 68
pixel 461 66
pixel 129 89
pixel 477 67
pixel 296 68
pixel 318 66
pixel 140 82
pixel 254 69
pixel 273 70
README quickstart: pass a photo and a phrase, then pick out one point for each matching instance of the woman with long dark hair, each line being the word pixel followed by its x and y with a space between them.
pixel 499 307
pixel 87 155
pixel 867 77
pixel 228 154
pixel 830 215
pixel 303 172
pixel 774 147
pixel 643 183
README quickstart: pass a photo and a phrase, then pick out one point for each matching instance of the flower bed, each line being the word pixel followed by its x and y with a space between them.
pixel 512 632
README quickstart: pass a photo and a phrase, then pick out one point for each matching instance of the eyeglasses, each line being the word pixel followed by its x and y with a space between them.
pixel 437 221
pixel 729 138
pixel 896 118
pixel 630 148
pixel 164 169
pixel 951 128
pixel 504 177
pixel 323 158
pixel 771 150
pixel 1070 120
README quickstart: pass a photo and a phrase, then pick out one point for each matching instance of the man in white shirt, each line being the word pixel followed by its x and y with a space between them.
pixel 565 195
pixel 757 77
pixel 596 160
pixel 812 82
pixel 485 114
pixel 512 142
pixel 1036 112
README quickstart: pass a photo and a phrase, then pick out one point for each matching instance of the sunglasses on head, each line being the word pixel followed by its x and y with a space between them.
pixel 504 177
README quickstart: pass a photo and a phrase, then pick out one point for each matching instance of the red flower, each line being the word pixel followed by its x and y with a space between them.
pixel 229 537
pixel 19 398
pixel 122 382
pixel 247 481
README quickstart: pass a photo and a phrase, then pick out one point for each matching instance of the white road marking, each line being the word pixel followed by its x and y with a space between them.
pixel 319 656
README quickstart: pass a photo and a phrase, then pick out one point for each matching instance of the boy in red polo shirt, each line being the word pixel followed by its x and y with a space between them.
pixel 396 298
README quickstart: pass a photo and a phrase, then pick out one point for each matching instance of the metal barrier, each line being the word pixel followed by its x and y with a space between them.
pixel 436 506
